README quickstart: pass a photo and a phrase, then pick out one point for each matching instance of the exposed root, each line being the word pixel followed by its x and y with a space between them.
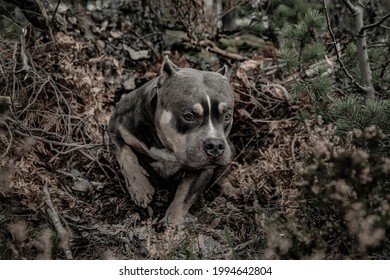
pixel 63 234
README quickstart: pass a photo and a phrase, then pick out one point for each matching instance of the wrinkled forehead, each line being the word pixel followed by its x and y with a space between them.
pixel 194 86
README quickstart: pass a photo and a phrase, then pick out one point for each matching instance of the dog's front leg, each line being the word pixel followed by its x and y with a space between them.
pixel 137 183
pixel 189 189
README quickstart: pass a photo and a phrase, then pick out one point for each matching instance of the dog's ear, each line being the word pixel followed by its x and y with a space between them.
pixel 168 69
pixel 224 71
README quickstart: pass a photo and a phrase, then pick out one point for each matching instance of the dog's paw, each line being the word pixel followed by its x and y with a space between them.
pixel 173 218
pixel 140 190
pixel 176 221
pixel 171 221
pixel 142 197
pixel 137 183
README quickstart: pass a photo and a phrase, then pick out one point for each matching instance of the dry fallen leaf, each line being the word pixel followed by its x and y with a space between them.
pixel 136 55
pixel 82 185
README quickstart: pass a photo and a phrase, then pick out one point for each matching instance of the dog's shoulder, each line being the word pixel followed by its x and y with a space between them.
pixel 133 116
pixel 136 101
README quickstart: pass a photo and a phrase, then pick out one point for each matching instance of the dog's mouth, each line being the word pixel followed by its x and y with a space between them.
pixel 219 162
pixel 214 160
pixel 208 162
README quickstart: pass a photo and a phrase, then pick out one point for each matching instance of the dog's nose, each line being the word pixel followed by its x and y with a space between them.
pixel 214 147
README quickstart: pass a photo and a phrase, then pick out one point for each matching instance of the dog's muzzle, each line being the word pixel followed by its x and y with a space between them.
pixel 214 147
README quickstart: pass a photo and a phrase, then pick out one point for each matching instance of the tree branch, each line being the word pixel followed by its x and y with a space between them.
pixel 212 47
pixel 350 6
pixel 373 25
pixel 385 27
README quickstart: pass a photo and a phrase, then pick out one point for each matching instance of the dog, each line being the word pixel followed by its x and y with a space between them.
pixel 175 128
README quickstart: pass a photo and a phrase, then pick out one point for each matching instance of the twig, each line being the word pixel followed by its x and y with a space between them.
pixel 15 63
pixel 86 146
pixel 254 100
pixel 375 24
pixel 249 243
pixel 35 97
pixel 271 121
pixel 313 69
pixel 385 27
pixel 146 42
pixel 232 8
pixel 55 12
pixel 75 146
pixel 293 147
pixel 63 234
pixel 60 96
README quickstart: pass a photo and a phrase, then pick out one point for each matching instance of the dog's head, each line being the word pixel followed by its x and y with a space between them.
pixel 194 114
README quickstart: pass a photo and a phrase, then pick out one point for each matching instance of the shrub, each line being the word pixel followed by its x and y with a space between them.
pixel 344 209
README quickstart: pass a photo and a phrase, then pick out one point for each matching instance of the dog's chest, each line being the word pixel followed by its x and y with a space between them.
pixel 165 168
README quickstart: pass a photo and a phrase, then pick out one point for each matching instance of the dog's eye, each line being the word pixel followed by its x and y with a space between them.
pixel 227 117
pixel 188 116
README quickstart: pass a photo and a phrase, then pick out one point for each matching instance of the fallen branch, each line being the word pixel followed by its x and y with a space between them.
pixel 63 234
pixel 212 47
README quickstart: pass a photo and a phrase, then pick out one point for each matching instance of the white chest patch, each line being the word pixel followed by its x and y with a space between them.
pixel 166 168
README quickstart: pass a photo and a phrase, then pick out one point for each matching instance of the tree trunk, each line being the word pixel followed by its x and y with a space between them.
pixel 357 11
pixel 362 52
